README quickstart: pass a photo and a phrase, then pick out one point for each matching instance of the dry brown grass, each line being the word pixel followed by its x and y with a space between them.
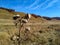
pixel 45 33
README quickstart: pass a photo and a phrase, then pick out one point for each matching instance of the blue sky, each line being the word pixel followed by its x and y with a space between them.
pixel 50 8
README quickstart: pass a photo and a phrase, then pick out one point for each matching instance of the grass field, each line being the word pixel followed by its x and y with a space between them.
pixel 42 32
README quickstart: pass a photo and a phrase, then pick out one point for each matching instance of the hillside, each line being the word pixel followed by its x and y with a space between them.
pixel 8 14
pixel 43 30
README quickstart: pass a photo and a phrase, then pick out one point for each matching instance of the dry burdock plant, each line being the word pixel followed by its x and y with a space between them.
pixel 22 21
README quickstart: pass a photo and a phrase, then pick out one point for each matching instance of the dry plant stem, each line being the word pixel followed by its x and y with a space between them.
pixel 19 33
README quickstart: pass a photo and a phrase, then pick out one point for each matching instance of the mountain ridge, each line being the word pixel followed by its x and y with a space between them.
pixel 34 15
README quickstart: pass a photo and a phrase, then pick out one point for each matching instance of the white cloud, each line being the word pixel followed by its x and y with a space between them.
pixel 51 4
pixel 33 4
pixel 40 5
